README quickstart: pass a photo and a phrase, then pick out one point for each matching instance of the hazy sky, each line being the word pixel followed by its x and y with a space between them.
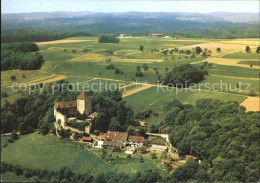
pixel 21 6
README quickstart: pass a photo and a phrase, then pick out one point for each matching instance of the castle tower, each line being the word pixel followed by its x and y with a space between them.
pixel 84 104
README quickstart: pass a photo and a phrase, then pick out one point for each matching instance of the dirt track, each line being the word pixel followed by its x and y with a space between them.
pixel 49 80
pixel 251 104
pixel 60 41
pixel 135 90
pixel 213 46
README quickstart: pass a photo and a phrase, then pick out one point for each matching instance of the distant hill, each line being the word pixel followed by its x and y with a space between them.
pixel 237 17
pixel 58 25
pixel 123 22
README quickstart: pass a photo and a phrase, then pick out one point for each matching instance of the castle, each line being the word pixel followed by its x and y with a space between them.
pixel 64 111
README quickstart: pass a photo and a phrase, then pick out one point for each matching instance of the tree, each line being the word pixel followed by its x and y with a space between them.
pixel 184 75
pixel 218 49
pixel 188 52
pixel 4 94
pixel 117 71
pixel 145 67
pixel 198 50
pixel 114 124
pixel 248 49
pixel 141 159
pixel 204 54
pixel 108 39
pixel 13 77
pixel 153 155
pixel 74 51
pixel 65 50
pixel 138 68
pixel 142 149
pixel 166 69
pixel 258 49
pixel 139 74
pixel 141 48
pixel 110 66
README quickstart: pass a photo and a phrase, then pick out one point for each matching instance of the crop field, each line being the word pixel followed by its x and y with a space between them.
pixel 231 62
pixel 66 59
pixel 50 153
pixel 154 98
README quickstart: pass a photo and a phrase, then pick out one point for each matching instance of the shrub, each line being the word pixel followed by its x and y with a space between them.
pixel 117 71
pixel 4 94
pixel 109 52
pixel 145 67
pixel 141 47
pixel 139 74
pixel 86 50
pixel 108 39
pixel 110 66
pixel 13 77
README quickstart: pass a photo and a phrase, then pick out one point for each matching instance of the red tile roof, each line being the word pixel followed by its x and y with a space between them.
pixel 166 161
pixel 187 157
pixel 112 143
pixel 118 136
pixel 174 166
pixel 138 139
pixel 89 139
pixel 102 136
pixel 83 95
pixel 66 104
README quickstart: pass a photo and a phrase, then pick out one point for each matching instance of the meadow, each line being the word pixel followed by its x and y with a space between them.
pixel 51 153
pixel 66 59
pixel 89 68
pixel 154 98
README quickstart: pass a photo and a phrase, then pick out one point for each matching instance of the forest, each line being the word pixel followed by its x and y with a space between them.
pixel 108 39
pixel 36 111
pixel 19 56
pixel 184 75
pixel 221 134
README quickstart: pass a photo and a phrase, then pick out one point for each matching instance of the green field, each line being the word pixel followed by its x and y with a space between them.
pixel 242 55
pixel 257 63
pixel 48 152
pixel 154 98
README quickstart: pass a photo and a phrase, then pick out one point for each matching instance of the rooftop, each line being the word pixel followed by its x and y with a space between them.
pixel 66 104
pixel 83 95
pixel 119 136
pixel 138 139
pixel 112 143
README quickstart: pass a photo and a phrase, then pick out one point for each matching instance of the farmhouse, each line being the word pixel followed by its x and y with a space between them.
pixel 190 157
pixel 67 110
pixel 165 161
pixel 157 35
pixel 178 37
pixel 118 139
pixel 87 139
pixel 124 36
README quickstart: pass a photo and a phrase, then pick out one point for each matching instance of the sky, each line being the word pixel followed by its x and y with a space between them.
pixel 25 6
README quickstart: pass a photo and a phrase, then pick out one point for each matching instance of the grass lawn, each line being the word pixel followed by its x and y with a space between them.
pixel 48 152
